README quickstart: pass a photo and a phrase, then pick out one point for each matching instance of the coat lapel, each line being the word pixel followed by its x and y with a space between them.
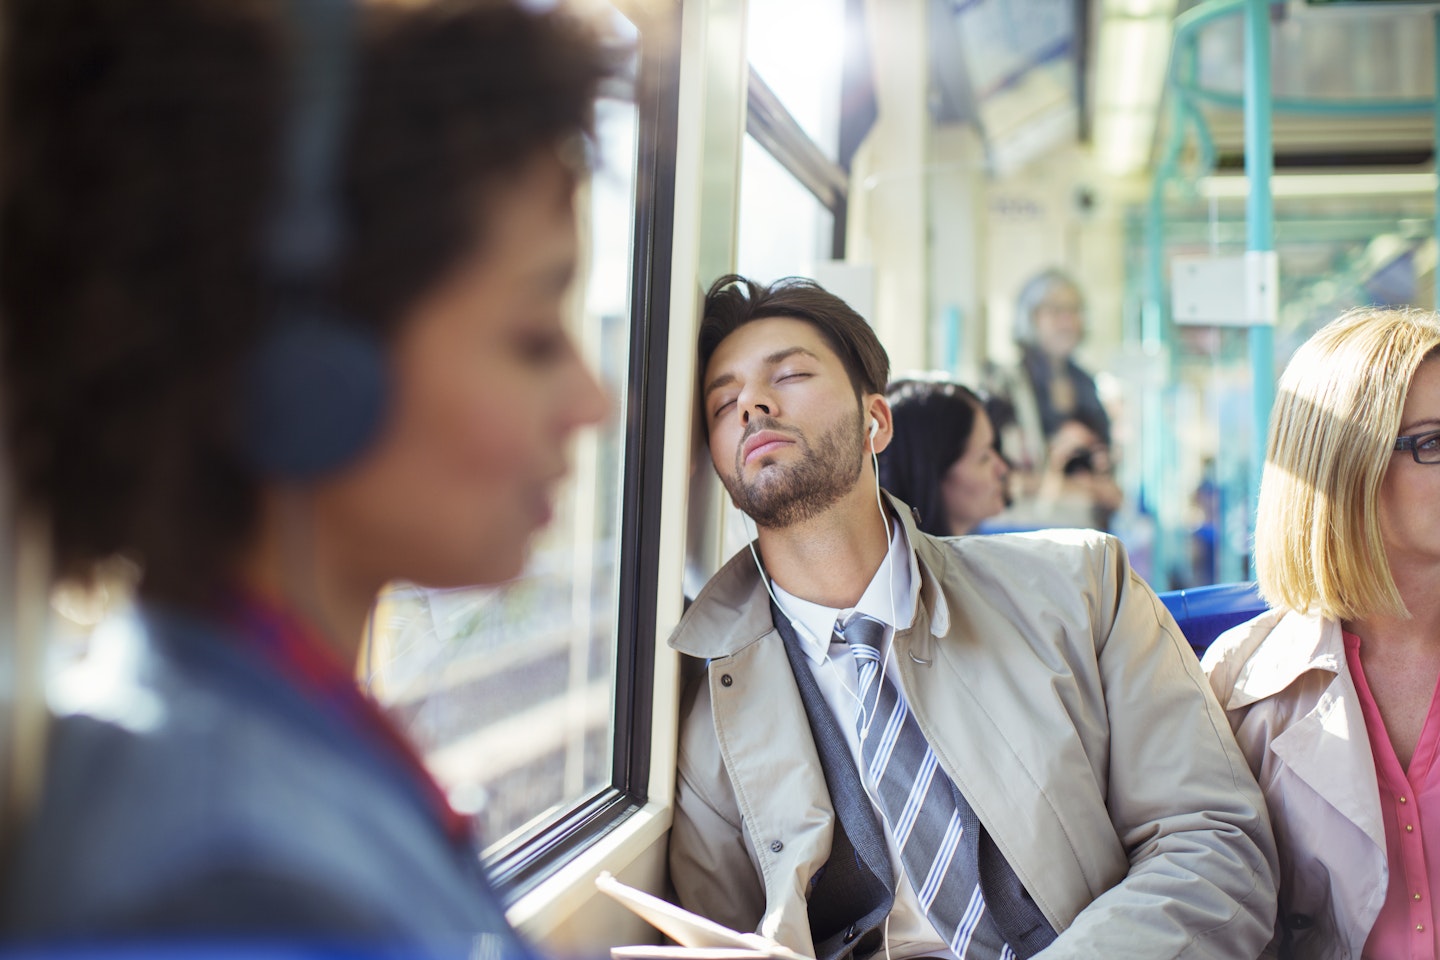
pixel 1328 748
pixel 754 700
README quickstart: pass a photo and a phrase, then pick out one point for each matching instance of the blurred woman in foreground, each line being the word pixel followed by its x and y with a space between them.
pixel 944 461
pixel 1332 693
pixel 283 299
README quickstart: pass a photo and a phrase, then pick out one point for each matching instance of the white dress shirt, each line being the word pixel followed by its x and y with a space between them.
pixel 909 932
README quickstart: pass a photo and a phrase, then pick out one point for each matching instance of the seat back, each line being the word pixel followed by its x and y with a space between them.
pixel 1204 613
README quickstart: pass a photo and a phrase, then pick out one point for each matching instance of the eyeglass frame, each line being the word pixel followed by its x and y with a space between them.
pixel 1411 443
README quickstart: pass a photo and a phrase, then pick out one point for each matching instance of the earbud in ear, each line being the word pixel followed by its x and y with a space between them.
pixel 874 427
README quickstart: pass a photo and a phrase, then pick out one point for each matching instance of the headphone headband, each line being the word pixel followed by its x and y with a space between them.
pixel 305 237
pixel 315 389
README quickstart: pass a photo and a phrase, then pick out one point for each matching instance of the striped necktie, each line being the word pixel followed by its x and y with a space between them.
pixel 914 794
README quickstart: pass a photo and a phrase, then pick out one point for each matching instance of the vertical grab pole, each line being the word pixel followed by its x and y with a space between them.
pixel 1436 305
pixel 1261 261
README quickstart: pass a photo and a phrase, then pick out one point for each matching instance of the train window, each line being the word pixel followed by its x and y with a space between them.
pixel 521 696
pixel 807 81
pixel 793 179
pixel 784 228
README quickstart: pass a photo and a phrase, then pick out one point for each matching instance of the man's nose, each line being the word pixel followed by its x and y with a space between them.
pixel 751 409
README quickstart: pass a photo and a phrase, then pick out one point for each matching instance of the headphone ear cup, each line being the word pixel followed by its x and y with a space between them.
pixel 313 397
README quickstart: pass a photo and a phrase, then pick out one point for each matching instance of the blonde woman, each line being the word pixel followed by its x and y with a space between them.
pixel 1332 692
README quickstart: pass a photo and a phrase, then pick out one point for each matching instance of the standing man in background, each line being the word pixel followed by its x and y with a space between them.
pixel 1057 437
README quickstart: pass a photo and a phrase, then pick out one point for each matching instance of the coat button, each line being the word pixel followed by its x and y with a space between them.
pixel 726 680
pixel 776 846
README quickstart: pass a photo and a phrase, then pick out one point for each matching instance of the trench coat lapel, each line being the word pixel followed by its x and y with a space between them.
pixel 1328 748
pixel 764 738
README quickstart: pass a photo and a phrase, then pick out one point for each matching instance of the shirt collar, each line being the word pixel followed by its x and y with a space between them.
pixel 816 623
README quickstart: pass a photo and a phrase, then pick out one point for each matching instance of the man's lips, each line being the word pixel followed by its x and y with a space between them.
pixel 763 442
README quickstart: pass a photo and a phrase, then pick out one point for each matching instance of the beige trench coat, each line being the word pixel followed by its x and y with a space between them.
pixel 1062 700
pixel 1286 686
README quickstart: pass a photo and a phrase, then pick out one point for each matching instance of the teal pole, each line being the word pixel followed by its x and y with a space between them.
pixel 1152 413
pixel 1261 272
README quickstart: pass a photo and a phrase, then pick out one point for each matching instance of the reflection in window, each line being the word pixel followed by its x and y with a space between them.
pixel 784 229
pixel 509 691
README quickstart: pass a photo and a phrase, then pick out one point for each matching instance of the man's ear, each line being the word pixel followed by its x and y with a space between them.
pixel 877 409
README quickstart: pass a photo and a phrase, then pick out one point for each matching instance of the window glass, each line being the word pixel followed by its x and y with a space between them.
pixel 784 232
pixel 509 691
pixel 805 74
pixel 784 229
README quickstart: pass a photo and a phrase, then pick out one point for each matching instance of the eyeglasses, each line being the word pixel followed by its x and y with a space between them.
pixel 1424 447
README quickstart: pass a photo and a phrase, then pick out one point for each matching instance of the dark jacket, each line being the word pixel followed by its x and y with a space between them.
pixel 192 791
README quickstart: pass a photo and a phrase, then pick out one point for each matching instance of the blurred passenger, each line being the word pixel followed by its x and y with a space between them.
pixel 274 381
pixel 944 461
pixel 1077 487
pixel 1332 692
pixel 1058 439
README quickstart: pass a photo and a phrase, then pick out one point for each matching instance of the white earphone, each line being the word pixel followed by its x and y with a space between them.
pixel 874 427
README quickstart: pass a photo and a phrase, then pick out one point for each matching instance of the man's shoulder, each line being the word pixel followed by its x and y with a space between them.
pixel 1062 547
pixel 732 609
pixel 1077 576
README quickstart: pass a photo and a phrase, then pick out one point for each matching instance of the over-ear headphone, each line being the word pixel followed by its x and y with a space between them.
pixel 315 389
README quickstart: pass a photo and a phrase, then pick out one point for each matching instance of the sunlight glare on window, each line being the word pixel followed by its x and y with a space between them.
pixel 798 47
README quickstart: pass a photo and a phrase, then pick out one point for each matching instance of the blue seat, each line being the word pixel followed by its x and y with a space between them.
pixel 1206 612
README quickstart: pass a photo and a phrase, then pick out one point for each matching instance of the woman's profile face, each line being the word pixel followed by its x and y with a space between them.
pixel 1059 320
pixel 488 389
pixel 973 489
pixel 1409 521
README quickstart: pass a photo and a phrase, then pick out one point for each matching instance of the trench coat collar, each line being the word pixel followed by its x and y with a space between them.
pixel 1329 747
pixel 733 611
pixel 1298 643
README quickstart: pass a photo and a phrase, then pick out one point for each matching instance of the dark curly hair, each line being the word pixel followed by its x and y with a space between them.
pixel 140 156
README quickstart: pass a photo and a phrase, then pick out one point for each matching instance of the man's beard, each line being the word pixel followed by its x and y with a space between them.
pixel 780 497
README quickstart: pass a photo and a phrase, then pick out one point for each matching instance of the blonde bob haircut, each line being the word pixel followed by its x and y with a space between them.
pixel 1332 434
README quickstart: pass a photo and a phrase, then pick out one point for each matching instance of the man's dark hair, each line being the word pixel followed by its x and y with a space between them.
pixel 734 301
pixel 933 423
pixel 141 158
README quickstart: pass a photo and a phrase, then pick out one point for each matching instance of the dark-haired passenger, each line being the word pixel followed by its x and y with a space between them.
pixel 944 461
pixel 225 778
pixel 898 745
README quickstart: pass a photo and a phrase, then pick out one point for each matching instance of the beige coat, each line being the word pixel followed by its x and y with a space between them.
pixel 1061 699
pixel 1286 686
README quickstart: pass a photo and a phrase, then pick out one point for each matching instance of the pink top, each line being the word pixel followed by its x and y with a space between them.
pixel 1410 807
